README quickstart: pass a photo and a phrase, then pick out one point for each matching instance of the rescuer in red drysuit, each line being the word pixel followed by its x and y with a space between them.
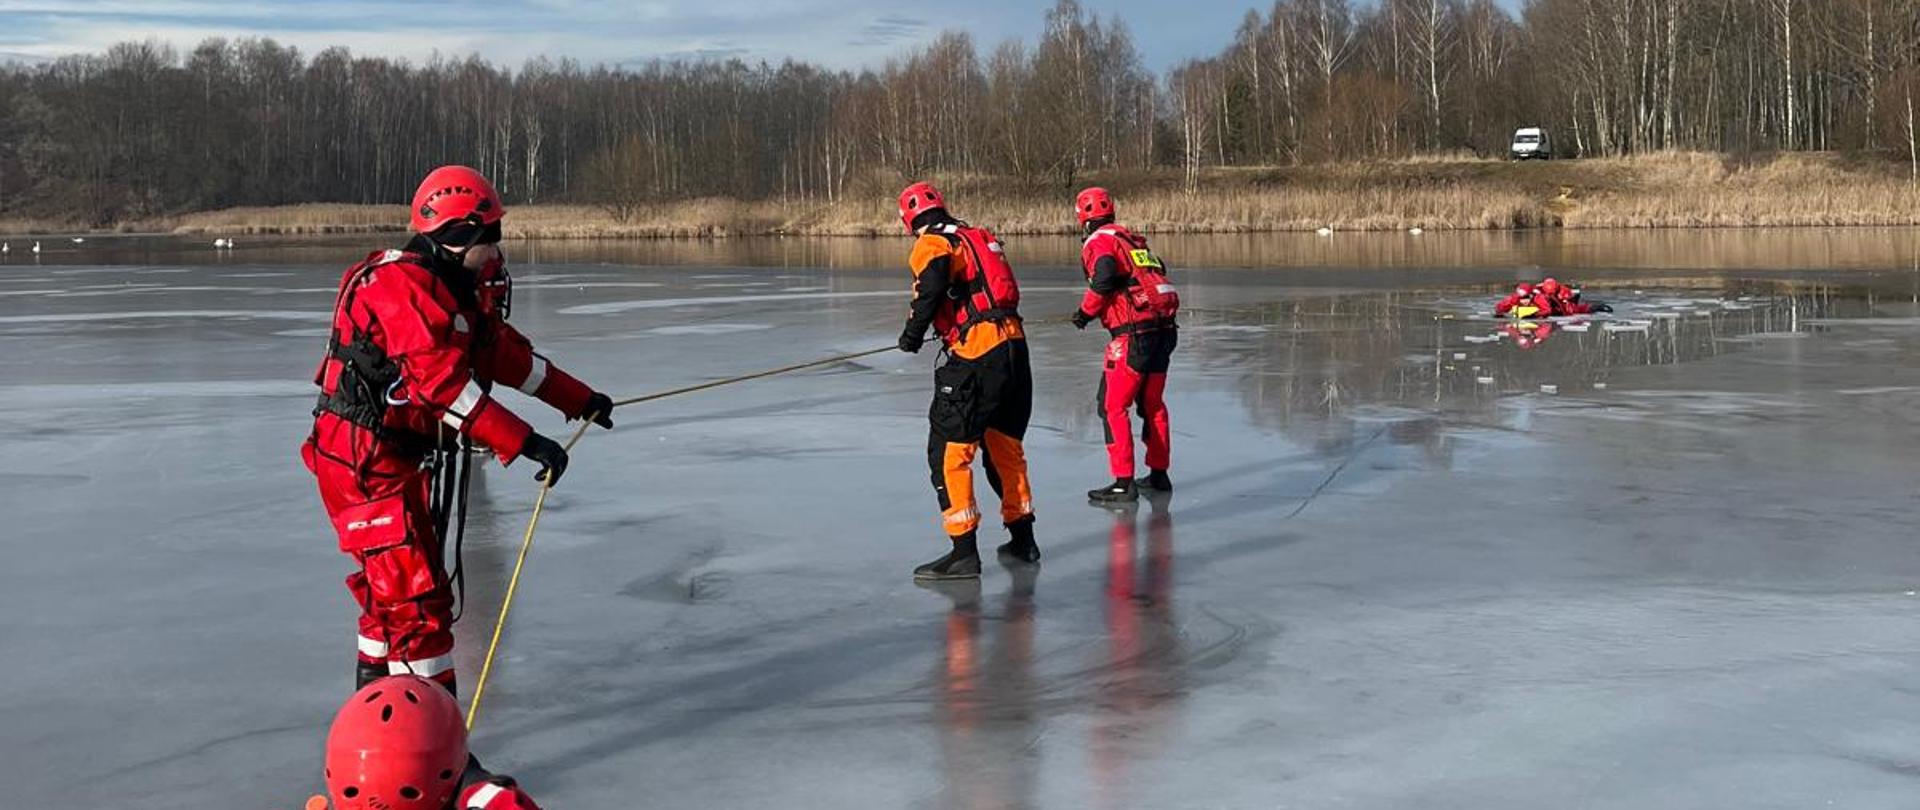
pixel 1550 299
pixel 1128 292
pixel 1526 302
pixel 417 343
pixel 399 744
pixel 1567 299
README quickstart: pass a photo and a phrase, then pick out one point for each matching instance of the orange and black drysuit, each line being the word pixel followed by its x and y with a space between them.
pixel 407 372
pixel 983 393
pixel 1119 268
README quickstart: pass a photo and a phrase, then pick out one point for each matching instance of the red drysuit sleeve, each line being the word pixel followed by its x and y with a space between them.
pixel 426 340
pixel 511 361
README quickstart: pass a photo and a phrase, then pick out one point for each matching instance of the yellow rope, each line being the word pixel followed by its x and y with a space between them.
pixel 540 503
pixel 513 584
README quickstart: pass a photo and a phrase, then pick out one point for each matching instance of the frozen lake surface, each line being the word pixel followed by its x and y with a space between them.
pixel 1396 573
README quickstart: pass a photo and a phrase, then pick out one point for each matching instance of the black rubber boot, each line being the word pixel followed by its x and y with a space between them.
pixel 1021 547
pixel 1157 481
pixel 365 673
pixel 963 562
pixel 1121 490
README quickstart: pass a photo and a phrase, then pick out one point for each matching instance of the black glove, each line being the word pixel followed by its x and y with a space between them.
pixel 1600 307
pixel 1081 319
pixel 911 343
pixel 551 457
pixel 599 409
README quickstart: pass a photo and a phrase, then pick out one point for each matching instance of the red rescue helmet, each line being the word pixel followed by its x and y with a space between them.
pixel 1094 203
pixel 453 194
pixel 918 199
pixel 1550 286
pixel 398 744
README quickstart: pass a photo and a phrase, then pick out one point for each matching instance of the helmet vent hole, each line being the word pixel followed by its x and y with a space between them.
pixel 409 792
pixel 350 791
pixel 411 697
pixel 373 697
pixel 445 774
pixel 386 713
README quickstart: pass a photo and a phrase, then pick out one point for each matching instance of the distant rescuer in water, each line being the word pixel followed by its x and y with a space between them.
pixel 399 744
pixel 1548 299
pixel 964 289
pixel 1128 292
pixel 419 338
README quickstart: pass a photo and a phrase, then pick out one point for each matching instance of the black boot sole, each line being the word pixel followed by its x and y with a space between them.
pixel 967 572
pixel 1007 552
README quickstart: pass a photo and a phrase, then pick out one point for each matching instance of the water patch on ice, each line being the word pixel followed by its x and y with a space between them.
pixel 121 392
pixel 709 329
pixel 550 284
pixel 616 307
pixel 188 314
pixel 1222 327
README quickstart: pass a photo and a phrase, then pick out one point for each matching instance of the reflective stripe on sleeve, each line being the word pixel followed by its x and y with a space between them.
pixel 483 796
pixel 462 407
pixel 535 376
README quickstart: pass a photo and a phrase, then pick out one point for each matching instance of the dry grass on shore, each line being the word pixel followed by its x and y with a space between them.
pixel 1669 190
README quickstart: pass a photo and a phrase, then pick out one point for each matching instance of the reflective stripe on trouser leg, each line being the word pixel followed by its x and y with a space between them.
pixel 407 599
pixel 372 650
pixel 962 513
pixel 1120 386
pixel 426 668
pixel 1156 430
pixel 1008 458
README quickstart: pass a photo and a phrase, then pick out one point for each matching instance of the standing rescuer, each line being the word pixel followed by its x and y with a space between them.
pixel 964 289
pixel 419 338
pixel 1128 292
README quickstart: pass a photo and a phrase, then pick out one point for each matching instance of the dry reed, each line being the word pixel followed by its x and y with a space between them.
pixel 1667 190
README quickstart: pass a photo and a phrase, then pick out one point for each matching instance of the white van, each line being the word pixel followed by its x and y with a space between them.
pixel 1530 143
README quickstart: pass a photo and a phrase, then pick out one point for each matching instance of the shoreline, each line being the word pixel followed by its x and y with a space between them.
pixel 1648 192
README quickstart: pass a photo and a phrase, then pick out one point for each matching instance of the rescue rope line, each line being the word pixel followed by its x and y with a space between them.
pixel 731 380
pixel 540 503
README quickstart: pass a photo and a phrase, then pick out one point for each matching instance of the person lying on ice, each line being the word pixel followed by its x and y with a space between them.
pixel 399 744
pixel 1128 292
pixel 1550 299
pixel 419 338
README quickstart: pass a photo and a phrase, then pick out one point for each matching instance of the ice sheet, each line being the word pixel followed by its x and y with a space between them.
pixel 1381 584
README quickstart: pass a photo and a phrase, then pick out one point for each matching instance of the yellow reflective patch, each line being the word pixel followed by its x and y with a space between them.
pixel 1525 312
pixel 1145 258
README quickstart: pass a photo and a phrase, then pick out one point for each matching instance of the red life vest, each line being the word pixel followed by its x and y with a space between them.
pixel 985 290
pixel 1149 301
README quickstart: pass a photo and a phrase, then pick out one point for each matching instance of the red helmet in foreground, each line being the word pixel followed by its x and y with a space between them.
pixel 398 744
pixel 1094 203
pixel 453 194
pixel 918 199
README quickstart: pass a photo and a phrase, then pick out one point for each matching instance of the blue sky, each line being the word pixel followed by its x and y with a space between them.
pixel 839 33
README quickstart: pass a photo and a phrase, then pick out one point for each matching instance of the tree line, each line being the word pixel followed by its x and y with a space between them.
pixel 145 129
